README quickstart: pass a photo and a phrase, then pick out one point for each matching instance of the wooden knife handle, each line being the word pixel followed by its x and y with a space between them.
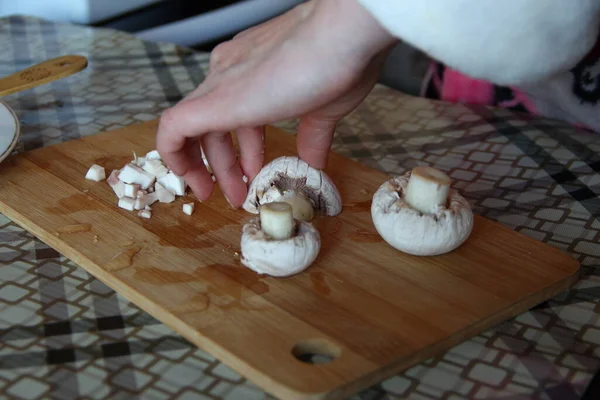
pixel 42 73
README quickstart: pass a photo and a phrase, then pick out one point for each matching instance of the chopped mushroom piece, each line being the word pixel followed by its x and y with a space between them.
pixel 153 155
pixel 139 161
pixel 144 214
pixel 288 179
pixel 174 183
pixel 276 244
pixel 134 174
pixel 146 200
pixel 127 203
pixel 420 214
pixel 164 195
pixel 188 208
pixel 95 173
pixel 117 185
pixel 156 168
pixel 131 190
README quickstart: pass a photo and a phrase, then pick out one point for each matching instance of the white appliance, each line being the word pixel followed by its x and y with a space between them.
pixel 207 27
pixel 74 11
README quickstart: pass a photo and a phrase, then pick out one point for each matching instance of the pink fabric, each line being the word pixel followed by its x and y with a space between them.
pixel 462 89
pixel 459 88
pixel 449 85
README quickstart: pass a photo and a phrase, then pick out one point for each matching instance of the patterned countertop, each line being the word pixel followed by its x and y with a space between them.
pixel 65 335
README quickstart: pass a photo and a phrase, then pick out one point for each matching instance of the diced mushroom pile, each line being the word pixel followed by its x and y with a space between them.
pixel 143 182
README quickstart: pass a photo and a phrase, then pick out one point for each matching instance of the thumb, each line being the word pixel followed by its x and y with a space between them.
pixel 315 135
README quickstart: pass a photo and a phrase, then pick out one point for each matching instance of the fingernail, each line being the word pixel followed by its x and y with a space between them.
pixel 230 205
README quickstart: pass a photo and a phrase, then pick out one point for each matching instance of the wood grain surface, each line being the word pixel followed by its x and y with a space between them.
pixel 374 310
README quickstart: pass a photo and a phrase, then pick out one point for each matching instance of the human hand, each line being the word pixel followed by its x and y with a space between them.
pixel 317 62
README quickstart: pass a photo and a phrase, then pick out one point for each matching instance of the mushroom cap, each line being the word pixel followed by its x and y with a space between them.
pixel 291 173
pixel 413 232
pixel 279 258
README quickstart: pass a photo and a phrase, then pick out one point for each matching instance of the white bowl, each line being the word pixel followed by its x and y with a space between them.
pixel 9 130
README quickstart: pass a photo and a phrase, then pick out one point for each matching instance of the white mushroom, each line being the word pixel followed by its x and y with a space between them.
pixel 288 179
pixel 420 214
pixel 95 173
pixel 276 244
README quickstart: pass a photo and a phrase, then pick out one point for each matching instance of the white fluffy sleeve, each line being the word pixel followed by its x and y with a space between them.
pixel 507 42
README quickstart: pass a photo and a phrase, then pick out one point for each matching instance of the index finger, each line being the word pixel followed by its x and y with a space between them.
pixel 194 118
pixel 314 139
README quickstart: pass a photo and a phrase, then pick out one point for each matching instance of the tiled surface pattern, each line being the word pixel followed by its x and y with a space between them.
pixel 64 335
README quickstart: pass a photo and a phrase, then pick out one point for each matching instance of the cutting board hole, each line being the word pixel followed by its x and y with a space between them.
pixel 316 351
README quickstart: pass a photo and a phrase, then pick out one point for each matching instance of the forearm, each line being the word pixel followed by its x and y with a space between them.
pixel 507 42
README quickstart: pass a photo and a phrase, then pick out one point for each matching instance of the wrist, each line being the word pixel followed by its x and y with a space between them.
pixel 352 27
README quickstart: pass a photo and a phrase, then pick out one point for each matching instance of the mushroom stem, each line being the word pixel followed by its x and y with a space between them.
pixel 302 208
pixel 427 189
pixel 277 220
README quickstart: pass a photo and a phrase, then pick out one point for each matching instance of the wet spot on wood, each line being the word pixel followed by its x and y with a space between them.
pixel 229 286
pixel 319 282
pixel 122 260
pixel 72 204
pixel 198 303
pixel 73 228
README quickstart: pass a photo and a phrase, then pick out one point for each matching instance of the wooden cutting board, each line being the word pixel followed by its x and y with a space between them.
pixel 373 311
